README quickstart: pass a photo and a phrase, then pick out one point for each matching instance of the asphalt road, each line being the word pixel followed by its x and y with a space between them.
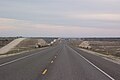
pixel 60 62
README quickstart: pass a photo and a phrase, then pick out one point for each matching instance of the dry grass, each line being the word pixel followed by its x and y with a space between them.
pixel 106 47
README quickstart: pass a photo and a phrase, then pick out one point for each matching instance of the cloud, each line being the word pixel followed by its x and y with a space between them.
pixel 51 11
pixel 96 16
pixel 7 20
pixel 6 28
pixel 27 28
pixel 4 24
pixel 75 31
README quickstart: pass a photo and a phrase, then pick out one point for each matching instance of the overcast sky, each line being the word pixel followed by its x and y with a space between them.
pixel 61 18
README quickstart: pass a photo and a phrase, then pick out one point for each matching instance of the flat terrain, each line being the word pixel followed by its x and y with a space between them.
pixel 102 45
pixel 60 62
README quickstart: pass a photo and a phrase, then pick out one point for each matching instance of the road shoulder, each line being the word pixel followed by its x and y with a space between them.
pixel 22 52
pixel 107 57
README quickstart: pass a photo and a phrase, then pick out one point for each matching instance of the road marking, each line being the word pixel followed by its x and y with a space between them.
pixel 55 57
pixel 17 59
pixel 44 72
pixel 51 61
pixel 93 65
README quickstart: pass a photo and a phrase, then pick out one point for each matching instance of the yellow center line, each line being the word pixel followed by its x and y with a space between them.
pixel 45 71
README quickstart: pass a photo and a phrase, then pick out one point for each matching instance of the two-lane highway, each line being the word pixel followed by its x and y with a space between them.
pixel 72 66
pixel 27 67
pixel 57 63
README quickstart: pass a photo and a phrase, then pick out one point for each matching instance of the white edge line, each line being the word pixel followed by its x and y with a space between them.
pixel 94 65
pixel 6 63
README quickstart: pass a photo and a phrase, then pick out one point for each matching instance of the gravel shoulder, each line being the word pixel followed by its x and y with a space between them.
pixel 107 57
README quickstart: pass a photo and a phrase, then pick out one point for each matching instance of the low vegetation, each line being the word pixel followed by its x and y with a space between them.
pixel 104 47
pixel 29 44
pixel 107 46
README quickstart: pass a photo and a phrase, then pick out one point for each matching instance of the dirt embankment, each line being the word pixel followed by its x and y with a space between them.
pixel 10 46
pixel 28 44
pixel 104 47
pixel 6 40
pixel 85 44
pixel 22 44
